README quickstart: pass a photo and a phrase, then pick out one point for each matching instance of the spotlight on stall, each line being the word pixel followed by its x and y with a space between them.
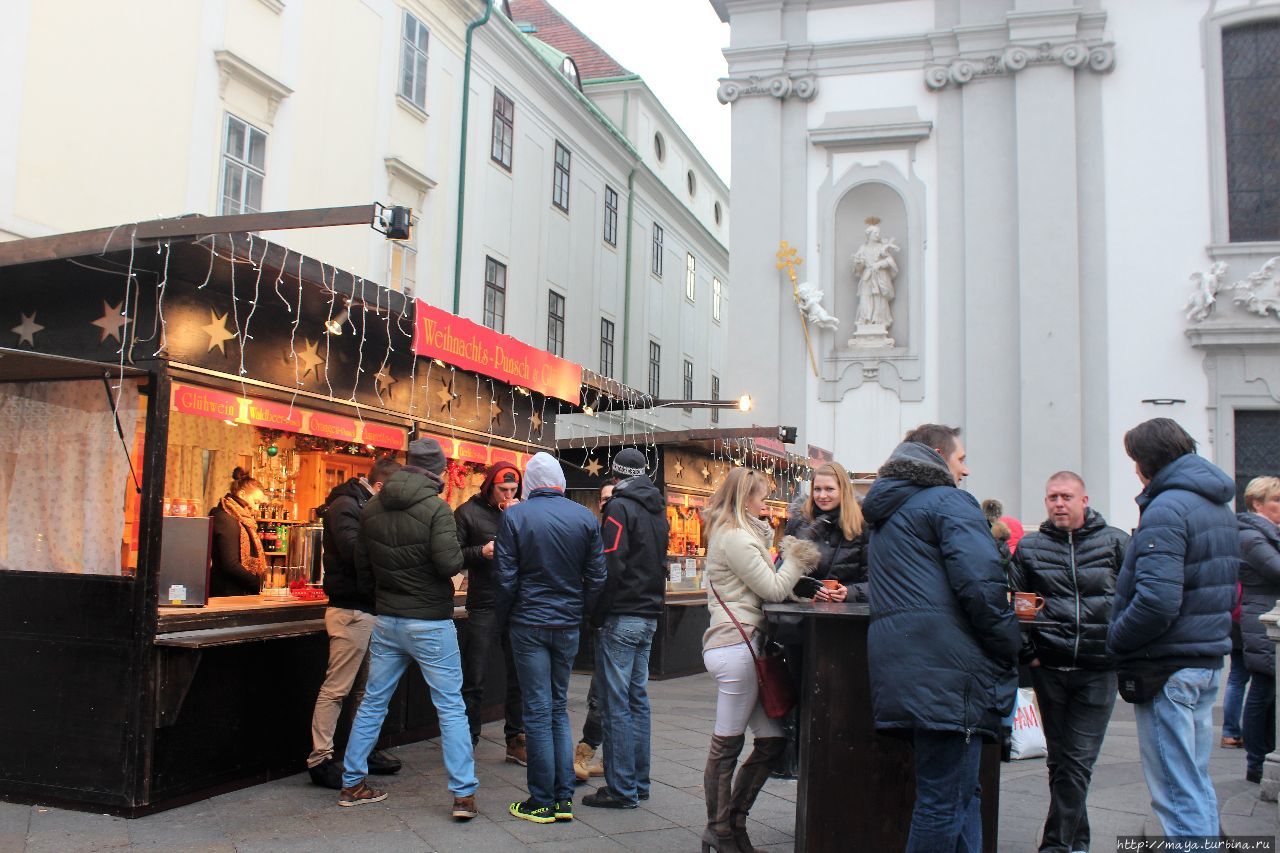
pixel 395 223
pixel 334 324
pixel 744 403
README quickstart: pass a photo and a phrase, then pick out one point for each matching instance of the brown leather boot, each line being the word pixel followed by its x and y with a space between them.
pixel 751 777
pixel 717 782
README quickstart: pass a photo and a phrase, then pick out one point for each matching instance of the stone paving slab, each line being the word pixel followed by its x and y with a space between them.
pixel 293 815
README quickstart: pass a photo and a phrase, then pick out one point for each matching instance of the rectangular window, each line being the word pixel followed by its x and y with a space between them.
pixel 657 250
pixel 715 299
pixel 413 61
pixel 715 395
pixel 1251 101
pixel 495 295
pixel 404 268
pixel 655 367
pixel 687 387
pixel 560 180
pixel 244 160
pixel 690 276
pixel 555 323
pixel 504 134
pixel 606 347
pixel 610 216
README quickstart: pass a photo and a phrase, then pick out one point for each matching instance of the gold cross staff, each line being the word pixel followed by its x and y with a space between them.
pixel 787 260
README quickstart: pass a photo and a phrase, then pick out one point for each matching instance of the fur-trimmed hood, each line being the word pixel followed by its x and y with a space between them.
pixel 911 467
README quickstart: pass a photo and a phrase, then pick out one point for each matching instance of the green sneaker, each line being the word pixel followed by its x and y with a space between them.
pixel 564 810
pixel 529 810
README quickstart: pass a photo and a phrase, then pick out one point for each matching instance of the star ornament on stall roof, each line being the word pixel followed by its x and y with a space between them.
pixel 445 394
pixel 310 358
pixel 679 468
pixel 112 322
pixel 593 468
pixel 217 331
pixel 26 330
pixel 495 412
pixel 385 380
pixel 535 421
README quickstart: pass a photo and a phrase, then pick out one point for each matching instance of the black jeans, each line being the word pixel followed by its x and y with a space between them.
pixel 1075 708
pixel 1259 720
pixel 593 728
pixel 477 643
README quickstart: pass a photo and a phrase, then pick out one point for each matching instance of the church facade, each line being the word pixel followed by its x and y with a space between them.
pixel 1044 221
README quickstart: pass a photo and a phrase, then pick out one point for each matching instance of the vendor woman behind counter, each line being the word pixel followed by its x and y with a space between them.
pixel 238 560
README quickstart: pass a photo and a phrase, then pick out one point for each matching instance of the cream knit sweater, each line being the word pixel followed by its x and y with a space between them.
pixel 738 565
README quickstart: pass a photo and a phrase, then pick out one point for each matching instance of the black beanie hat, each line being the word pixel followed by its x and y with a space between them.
pixel 629 463
pixel 426 453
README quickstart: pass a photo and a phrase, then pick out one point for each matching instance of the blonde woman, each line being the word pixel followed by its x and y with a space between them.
pixel 831 518
pixel 741 575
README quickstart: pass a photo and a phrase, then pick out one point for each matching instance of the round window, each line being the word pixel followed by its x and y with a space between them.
pixel 659 147
pixel 691 180
pixel 717 212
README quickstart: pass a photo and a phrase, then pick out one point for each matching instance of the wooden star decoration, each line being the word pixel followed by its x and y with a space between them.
pixel 26 330
pixel 112 322
pixel 495 412
pixel 217 331
pixel 445 394
pixel 535 421
pixel 593 468
pixel 385 380
pixel 310 358
pixel 679 468
pixel 706 473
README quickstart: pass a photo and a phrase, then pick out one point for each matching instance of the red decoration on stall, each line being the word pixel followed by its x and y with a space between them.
pixel 455 477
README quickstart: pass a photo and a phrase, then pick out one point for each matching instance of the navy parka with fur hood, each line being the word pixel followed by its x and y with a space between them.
pixel 943 640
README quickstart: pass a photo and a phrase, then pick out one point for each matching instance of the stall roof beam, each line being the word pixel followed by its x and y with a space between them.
pixel 674 437
pixel 102 240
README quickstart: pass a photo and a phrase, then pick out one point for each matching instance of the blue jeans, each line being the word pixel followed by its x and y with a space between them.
pixel 544 658
pixel 1233 698
pixel 622 666
pixel 947 817
pixel 1175 732
pixel 433 644
pixel 1259 721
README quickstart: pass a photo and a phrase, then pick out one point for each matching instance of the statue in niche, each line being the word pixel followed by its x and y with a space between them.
pixel 874 268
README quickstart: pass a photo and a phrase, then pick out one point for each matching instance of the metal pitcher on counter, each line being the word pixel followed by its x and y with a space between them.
pixel 306 552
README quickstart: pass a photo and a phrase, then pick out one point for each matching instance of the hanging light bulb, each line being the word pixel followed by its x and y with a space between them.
pixel 334 324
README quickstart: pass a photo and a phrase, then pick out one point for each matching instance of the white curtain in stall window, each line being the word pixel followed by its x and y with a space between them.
pixel 63 476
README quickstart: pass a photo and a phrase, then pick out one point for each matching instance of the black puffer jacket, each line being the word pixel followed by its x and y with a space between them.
pixel 341 517
pixel 478 522
pixel 1075 571
pixel 1260 577
pixel 842 559
pixel 943 639
pixel 635 533
pixel 408 548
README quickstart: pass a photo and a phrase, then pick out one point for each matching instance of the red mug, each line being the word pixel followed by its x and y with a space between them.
pixel 1027 604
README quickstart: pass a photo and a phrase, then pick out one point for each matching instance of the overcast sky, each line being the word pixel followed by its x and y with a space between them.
pixel 675 46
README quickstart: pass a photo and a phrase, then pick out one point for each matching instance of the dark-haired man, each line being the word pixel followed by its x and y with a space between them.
pixel 348 620
pixel 478 520
pixel 943 639
pixel 1171 621
pixel 1072 561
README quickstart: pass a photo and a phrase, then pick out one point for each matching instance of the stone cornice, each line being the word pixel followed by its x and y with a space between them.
pixel 1233 335
pixel 231 66
pixel 865 128
pixel 780 86
pixel 403 172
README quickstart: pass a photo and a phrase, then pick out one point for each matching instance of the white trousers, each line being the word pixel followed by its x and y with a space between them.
pixel 737 693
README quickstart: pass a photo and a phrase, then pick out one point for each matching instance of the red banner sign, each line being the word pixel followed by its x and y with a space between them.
pixel 470 452
pixel 334 427
pixel 274 416
pixel 389 437
pixel 201 401
pixel 462 343
pixel 498 454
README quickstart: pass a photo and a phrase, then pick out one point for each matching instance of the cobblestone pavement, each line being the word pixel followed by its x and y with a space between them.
pixel 292 815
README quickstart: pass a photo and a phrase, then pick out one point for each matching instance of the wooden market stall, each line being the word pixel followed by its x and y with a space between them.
pixel 148 361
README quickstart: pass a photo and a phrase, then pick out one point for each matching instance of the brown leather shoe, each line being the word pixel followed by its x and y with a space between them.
pixel 360 794
pixel 1232 742
pixel 464 808
pixel 582 755
pixel 516 753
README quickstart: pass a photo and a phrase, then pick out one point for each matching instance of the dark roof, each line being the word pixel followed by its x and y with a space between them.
pixel 556 30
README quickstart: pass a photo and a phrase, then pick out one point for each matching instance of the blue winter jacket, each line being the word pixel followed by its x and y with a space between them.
pixel 943 640
pixel 550 562
pixel 1178 583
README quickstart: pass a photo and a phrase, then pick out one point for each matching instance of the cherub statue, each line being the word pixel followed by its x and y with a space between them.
pixel 1200 304
pixel 810 301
